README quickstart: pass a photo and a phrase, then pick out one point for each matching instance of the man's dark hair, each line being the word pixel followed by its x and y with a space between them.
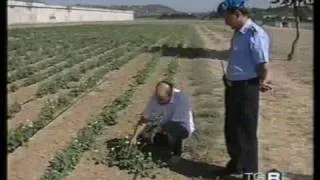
pixel 167 83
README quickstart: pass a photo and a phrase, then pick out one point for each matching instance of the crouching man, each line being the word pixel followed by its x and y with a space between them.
pixel 170 115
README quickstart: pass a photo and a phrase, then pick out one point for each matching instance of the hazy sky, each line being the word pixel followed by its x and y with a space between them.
pixel 182 5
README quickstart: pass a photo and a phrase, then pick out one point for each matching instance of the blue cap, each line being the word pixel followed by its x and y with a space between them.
pixel 230 4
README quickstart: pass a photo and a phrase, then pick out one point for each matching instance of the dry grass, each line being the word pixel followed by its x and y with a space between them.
pixel 208 113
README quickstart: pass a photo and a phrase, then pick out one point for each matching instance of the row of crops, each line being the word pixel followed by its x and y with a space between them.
pixel 73 70
pixel 140 164
pixel 42 58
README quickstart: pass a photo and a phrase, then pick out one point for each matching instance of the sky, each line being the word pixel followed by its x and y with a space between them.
pixel 181 5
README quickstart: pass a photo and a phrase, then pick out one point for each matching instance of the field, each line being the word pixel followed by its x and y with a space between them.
pixel 72 88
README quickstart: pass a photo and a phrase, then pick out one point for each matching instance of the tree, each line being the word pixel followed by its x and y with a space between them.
pixel 297 6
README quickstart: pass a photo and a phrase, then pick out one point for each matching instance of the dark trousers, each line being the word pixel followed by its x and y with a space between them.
pixel 177 134
pixel 241 121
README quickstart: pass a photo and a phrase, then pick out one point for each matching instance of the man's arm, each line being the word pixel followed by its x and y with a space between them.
pixel 262 70
pixel 260 53
pixel 138 129
pixel 141 125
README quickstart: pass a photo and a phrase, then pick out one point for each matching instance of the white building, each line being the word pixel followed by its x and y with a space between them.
pixel 28 12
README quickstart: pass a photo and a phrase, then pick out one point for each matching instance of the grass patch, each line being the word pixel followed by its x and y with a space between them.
pixel 204 90
pixel 208 113
pixel 207 104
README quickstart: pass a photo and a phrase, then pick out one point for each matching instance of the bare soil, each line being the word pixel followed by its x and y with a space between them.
pixel 43 146
pixel 286 112
pixel 22 94
pixel 285 130
pixel 27 114
pixel 87 169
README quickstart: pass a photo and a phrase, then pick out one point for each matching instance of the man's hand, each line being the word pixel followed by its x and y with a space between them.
pixel 139 129
pixel 264 87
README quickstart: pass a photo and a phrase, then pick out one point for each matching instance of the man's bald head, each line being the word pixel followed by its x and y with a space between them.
pixel 163 92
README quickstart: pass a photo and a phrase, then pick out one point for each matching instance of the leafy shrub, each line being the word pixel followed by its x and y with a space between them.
pixel 131 158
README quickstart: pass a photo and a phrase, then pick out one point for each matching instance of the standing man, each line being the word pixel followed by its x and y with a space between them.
pixel 245 76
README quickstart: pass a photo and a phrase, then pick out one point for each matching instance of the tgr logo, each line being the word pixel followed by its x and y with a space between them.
pixel 270 175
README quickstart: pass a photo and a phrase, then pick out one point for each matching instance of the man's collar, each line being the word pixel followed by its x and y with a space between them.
pixel 247 25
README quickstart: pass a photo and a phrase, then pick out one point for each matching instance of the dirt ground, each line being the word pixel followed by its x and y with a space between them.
pixel 43 146
pixel 285 132
pixel 286 140
pixel 87 169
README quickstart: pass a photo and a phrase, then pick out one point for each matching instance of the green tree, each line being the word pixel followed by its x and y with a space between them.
pixel 297 11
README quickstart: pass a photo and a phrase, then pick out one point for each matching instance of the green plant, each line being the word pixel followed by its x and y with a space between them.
pixel 131 158
pixel 13 88
pixel 13 109
pixel 23 133
pixel 172 70
pixel 67 159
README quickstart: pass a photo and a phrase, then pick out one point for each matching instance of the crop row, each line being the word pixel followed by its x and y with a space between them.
pixel 22 134
pixel 74 75
pixel 172 69
pixel 44 50
pixel 50 50
pixel 67 41
pixel 72 59
pixel 136 42
pixel 46 40
pixel 73 79
pixel 67 159
pixel 50 37
pixel 60 50
pixel 51 111
pixel 29 70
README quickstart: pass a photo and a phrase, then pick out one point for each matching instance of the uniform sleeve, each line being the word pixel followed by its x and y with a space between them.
pixel 259 45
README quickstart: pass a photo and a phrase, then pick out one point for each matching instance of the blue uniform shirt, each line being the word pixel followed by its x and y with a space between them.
pixel 249 47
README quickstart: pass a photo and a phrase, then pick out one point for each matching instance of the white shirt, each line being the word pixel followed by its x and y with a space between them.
pixel 177 110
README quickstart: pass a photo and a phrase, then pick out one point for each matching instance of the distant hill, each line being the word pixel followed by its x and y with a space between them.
pixel 140 10
pixel 165 12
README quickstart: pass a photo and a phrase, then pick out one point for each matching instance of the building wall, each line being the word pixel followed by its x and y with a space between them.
pixel 24 13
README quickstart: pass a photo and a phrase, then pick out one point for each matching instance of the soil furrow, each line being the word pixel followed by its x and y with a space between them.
pixel 87 169
pixel 24 94
pixel 42 147
pixel 28 112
